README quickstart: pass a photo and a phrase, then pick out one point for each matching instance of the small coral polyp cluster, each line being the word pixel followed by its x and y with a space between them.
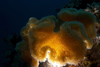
pixel 61 40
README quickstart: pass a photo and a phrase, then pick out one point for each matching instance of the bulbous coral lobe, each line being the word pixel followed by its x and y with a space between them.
pixel 67 45
pixel 86 18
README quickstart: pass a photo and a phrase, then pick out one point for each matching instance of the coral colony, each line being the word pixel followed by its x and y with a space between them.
pixel 58 41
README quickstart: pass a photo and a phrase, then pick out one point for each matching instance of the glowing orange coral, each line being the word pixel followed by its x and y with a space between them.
pixel 67 45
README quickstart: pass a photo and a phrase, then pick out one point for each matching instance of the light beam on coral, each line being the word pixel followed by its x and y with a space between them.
pixel 59 40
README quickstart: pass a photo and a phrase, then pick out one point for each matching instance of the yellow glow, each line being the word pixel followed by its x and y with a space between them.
pixel 89 44
pixel 53 44
pixel 66 45
pixel 47 56
pixel 56 50
pixel 56 65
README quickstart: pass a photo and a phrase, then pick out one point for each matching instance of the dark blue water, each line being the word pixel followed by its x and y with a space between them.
pixel 14 14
